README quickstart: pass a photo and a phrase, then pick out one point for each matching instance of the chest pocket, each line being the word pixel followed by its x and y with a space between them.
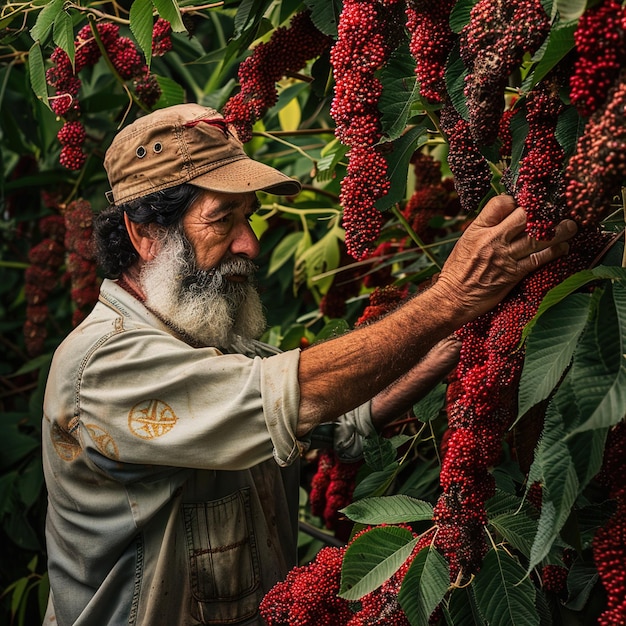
pixel 223 559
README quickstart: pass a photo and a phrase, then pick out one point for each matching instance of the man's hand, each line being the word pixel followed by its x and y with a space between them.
pixel 495 253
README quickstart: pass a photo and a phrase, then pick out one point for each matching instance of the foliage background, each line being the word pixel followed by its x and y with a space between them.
pixel 305 267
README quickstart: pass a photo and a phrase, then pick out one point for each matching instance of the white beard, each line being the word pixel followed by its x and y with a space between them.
pixel 202 304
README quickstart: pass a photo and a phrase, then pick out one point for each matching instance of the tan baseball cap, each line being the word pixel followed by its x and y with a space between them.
pixel 186 143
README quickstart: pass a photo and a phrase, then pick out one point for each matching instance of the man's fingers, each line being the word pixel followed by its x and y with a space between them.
pixel 525 246
pixel 496 211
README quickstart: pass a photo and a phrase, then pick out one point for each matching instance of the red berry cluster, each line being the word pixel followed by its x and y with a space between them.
pixel 600 41
pixel 126 59
pixel 41 278
pixel 597 169
pixel 161 37
pixel 609 543
pixel 308 595
pixel 539 182
pixel 428 22
pixel 332 487
pixel 368 32
pixel 382 300
pixel 287 51
pixel 472 175
pixel 81 265
pixel 493 44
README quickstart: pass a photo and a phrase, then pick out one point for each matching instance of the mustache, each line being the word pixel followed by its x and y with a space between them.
pixel 215 277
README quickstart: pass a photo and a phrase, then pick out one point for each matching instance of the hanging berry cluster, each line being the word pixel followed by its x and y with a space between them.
pixel 493 44
pixel 428 22
pixel 287 51
pixel 309 595
pixel 368 32
pixel 609 543
pixel 127 61
pixel 41 278
pixel 600 39
pixel 597 170
pixel 539 182
pixel 81 264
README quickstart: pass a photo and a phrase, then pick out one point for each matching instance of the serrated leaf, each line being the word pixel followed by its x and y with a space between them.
pixel 63 35
pixel 455 74
pixel 460 14
pixel 399 94
pixel 325 15
pixel 141 25
pixel 430 406
pixel 581 580
pixel 398 165
pixel 378 452
pixel 376 483
pixel 560 42
pixel 549 349
pixel 171 92
pixel 331 155
pixel 517 529
pixel 395 509
pixel 505 597
pixel 424 586
pixel 599 367
pixel 570 9
pixel 37 73
pixel 571 284
pixel 45 21
pixel 169 11
pixel 373 558
pixel 569 127
pixel 461 609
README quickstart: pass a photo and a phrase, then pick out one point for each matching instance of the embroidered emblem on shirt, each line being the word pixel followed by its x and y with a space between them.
pixel 151 418
pixel 64 444
pixel 103 441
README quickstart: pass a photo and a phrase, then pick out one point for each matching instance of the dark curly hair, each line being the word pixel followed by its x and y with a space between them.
pixel 114 250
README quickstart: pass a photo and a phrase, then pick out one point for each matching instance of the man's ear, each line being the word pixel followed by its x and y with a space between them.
pixel 143 238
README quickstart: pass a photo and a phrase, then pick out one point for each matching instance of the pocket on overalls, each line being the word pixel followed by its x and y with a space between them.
pixel 223 559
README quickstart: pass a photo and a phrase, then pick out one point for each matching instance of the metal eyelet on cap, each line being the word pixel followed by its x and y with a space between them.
pixel 158 146
pixel 141 152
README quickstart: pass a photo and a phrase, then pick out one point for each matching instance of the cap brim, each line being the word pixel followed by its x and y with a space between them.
pixel 244 175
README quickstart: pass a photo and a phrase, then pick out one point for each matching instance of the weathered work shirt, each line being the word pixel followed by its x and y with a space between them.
pixel 171 474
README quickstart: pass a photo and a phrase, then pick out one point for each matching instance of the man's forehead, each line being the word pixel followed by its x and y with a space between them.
pixel 211 202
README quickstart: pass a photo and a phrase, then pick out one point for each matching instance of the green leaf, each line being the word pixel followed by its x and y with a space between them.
pixel 333 328
pixel 570 9
pixel 461 609
pixel 400 92
pixel 171 93
pixel 321 257
pixel 285 250
pixel 37 73
pixel 517 529
pixel 571 284
pixel 424 586
pixel 581 580
pixel 325 15
pixel 550 347
pixel 560 42
pixel 460 14
pixel 505 597
pixel 395 509
pixel 569 128
pixel 332 153
pixel 376 483
pixel 378 452
pixel 398 165
pixel 169 11
pixel 141 24
pixel 45 21
pixel 373 558
pixel 599 367
pixel 430 406
pixel 455 81
pixel 63 35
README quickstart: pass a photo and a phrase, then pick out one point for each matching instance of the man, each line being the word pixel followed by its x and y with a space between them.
pixel 170 434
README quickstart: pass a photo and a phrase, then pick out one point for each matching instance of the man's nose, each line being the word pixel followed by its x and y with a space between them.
pixel 245 242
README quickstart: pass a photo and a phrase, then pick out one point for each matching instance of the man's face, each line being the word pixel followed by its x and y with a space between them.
pixel 200 280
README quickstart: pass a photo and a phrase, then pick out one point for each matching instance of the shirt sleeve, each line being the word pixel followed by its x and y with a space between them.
pixel 147 398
